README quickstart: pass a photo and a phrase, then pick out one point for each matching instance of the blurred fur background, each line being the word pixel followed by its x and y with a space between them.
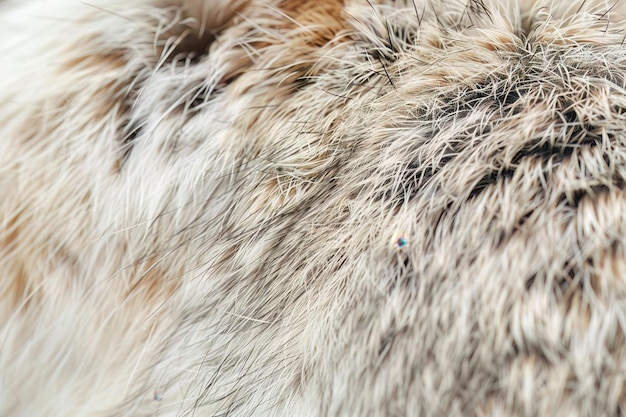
pixel 312 208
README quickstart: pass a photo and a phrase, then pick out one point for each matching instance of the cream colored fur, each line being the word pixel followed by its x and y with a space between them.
pixel 312 208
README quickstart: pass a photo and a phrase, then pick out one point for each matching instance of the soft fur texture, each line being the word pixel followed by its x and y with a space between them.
pixel 312 208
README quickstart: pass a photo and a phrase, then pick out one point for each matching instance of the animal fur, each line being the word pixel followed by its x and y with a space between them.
pixel 312 208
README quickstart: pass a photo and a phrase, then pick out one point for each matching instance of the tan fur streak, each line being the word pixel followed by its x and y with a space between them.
pixel 312 208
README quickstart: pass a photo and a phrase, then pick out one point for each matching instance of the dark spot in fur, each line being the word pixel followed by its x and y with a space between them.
pixel 522 221
pixel 204 95
pixel 192 47
pixel 130 132
pixel 385 344
pixel 509 98
pixel 199 99
pixel 544 152
pixel 492 96
pixel 530 282
pixel 574 198
pixel 570 280
pixel 492 178
pixel 497 98
pixel 572 271
pixel 303 82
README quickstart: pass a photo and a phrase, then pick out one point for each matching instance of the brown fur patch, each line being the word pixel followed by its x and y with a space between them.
pixel 106 61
